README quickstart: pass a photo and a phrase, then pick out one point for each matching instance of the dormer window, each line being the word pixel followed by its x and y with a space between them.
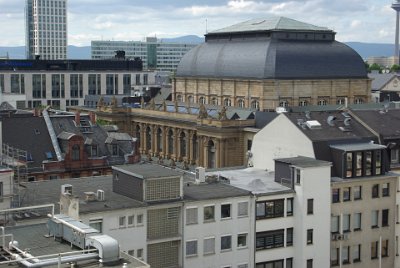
pixel 76 152
pixel 93 150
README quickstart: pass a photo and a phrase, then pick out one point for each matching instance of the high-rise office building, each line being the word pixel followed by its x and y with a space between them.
pixel 155 54
pixel 46 29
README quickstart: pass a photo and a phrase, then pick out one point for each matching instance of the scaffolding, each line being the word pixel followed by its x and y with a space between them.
pixel 17 160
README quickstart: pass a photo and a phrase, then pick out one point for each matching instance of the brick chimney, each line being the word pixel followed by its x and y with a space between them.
pixel 92 116
pixel 77 118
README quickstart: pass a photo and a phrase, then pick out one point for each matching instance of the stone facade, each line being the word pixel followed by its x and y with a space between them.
pixel 269 94
pixel 182 137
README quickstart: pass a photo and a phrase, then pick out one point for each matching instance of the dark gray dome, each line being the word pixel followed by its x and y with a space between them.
pixel 269 58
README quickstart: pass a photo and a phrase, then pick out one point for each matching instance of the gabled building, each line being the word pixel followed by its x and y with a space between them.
pixel 363 191
pixel 65 145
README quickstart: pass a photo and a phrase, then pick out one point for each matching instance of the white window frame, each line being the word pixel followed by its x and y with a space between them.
pixel 196 221
pixel 133 220
pixel 196 248
pixel 139 216
pixel 204 244
pixel 246 204
pixel 122 219
pixel 247 238
pixel 225 249
pixel 230 211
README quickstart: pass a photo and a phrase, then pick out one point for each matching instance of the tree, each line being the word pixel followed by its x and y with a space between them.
pixel 395 68
pixel 375 67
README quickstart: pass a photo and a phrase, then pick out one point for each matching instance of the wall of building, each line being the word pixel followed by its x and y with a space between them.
pixel 269 94
pixel 66 97
pixel 232 226
pixel 281 139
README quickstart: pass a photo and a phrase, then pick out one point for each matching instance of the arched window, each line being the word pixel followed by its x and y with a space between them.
pixel 195 145
pixel 303 103
pixel 358 101
pixel 241 103
pixel 76 153
pixel 214 101
pixel 148 138
pixel 340 101
pixel 255 105
pixel 202 100
pixel 283 103
pixel 182 142
pixel 227 102
pixel 211 154
pixel 137 134
pixel 190 99
pixel 170 142
pixel 322 102
pixel 179 98
pixel 159 140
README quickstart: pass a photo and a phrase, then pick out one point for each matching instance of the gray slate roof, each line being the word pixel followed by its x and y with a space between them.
pixel 272 59
pixel 30 134
pixel 387 124
pixel 380 80
pixel 270 24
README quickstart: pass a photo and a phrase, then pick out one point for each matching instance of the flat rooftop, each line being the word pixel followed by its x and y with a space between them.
pixel 147 171
pixel 257 181
pixel 35 240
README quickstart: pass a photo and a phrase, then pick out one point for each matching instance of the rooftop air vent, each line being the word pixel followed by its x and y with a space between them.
pixel 66 189
pixel 200 175
pixel 313 124
pixel 90 196
pixel 100 195
pixel 331 120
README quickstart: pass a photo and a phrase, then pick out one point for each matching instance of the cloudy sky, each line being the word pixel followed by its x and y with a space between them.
pixel 353 20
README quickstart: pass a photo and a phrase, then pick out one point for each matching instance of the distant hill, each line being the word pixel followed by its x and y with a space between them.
pixel 74 52
pixel 372 49
pixel 364 49
pixel 191 39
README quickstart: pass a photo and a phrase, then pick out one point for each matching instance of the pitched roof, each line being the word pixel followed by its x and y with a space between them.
pixel 386 123
pixel 380 80
pixel 270 24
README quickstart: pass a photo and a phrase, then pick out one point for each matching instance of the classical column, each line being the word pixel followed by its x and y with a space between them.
pixel 154 138
pixel 217 145
pixel 187 151
pixel 143 138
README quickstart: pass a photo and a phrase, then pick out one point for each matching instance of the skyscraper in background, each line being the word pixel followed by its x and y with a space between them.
pixel 46 29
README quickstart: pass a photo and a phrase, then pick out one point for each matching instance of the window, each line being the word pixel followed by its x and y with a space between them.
pixel 385 189
pixel 209 245
pixel 357 253
pixel 378 169
pixel 289 207
pixel 334 224
pixel 243 209
pixel 359 161
pixel 225 211
pixel 209 213
pixel 298 176
pixel 310 206
pixel 357 192
pixel 227 102
pixel 374 249
pixel 241 103
pixel 346 194
pixel 385 217
pixel 375 191
pixel 289 263
pixel 226 242
pixel 75 152
pixel 131 252
pixel 191 248
pixel 310 263
pixel 242 240
pixel 270 264
pixel 345 254
pixel 202 100
pixel 244 265
pixel 191 215
pixel 131 220
pixel 122 221
pixel 335 195
pixel 309 236
pixel 357 221
pixel 270 209
pixel 139 219
pixel 394 156
pixel 289 237
pixel 270 239
pixel 139 253
pixel 384 249
pixel 374 218
pixel 349 165
pixel 96 224
pixel 334 256
pixel 346 222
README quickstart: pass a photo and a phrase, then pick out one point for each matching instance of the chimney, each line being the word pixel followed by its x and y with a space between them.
pixel 77 118
pixel 92 117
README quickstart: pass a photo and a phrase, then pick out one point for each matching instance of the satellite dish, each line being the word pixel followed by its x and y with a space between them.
pixel 347 121
pixel 331 120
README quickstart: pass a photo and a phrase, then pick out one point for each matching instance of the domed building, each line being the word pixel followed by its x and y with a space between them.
pixel 266 63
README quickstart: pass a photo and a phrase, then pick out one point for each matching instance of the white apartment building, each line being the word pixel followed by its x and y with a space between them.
pixel 155 54
pixel 66 83
pixel 46 29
